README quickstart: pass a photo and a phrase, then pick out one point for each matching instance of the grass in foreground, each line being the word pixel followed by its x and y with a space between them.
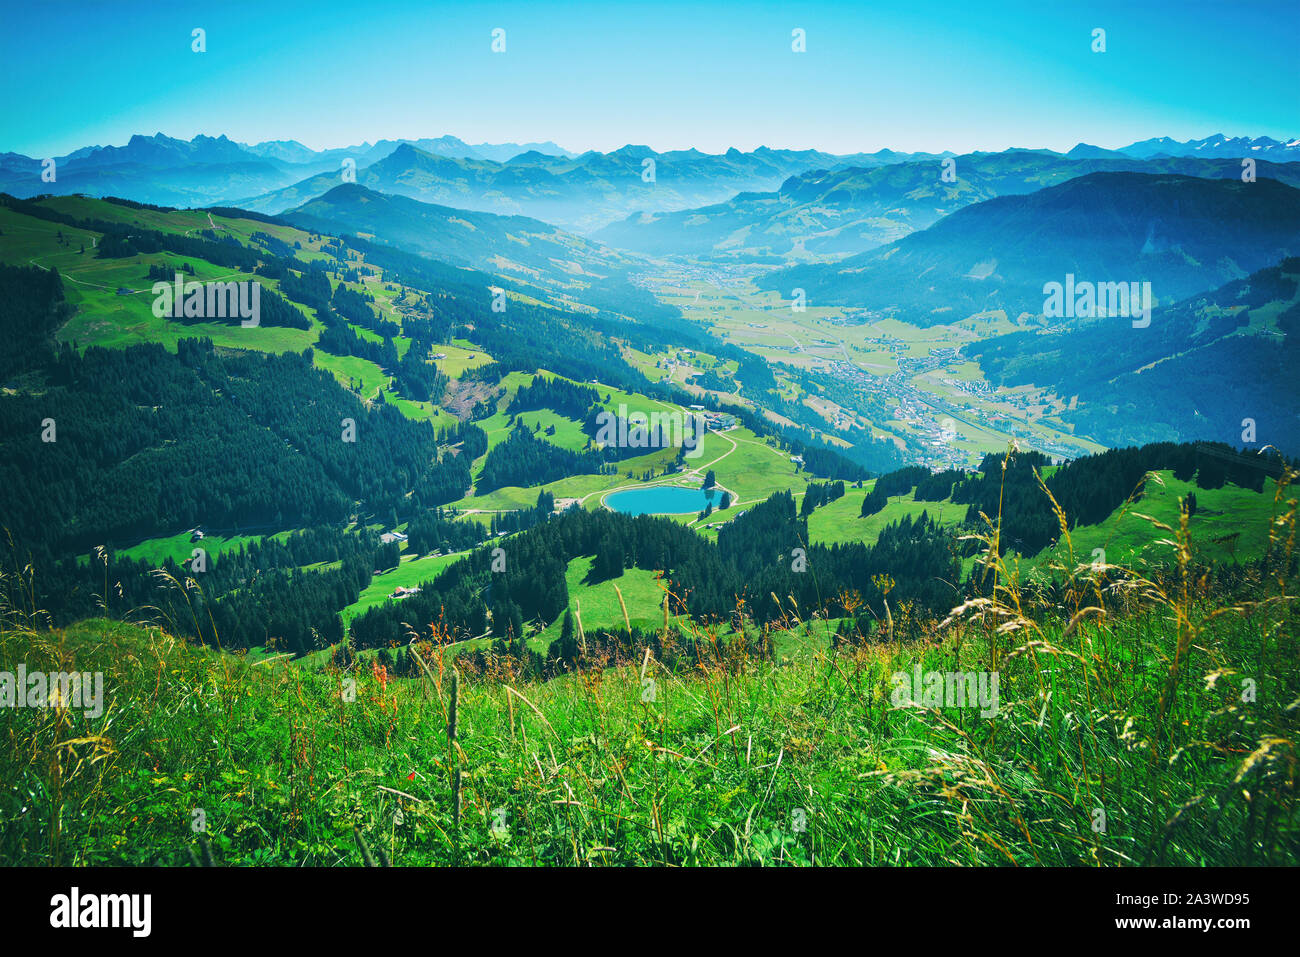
pixel 1138 722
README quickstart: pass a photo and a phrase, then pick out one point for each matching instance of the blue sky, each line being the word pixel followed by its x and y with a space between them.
pixel 910 75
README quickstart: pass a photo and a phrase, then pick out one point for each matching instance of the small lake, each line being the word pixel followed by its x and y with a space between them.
pixel 660 500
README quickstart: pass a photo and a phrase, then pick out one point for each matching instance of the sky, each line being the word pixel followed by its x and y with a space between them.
pixel 927 75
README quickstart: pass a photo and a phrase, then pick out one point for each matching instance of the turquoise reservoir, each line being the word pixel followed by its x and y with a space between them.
pixel 661 500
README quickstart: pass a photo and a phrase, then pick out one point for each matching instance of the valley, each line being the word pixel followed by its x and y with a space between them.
pixel 399 483
pixel 940 402
pixel 845 380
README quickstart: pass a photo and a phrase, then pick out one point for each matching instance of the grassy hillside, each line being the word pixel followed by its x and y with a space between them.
pixel 112 299
pixel 106 318
pixel 1230 524
pixel 1118 739
pixel 598 604
pixel 840 521
pixel 1147 707
pixel 515 246
pixel 409 573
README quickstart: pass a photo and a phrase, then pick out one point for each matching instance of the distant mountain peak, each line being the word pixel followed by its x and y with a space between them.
pixel 531 156
pixel 1088 151
pixel 1216 146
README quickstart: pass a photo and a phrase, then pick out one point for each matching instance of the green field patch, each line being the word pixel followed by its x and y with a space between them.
pixel 1230 525
pixel 598 604
pixel 180 549
pixel 409 573
pixel 839 522
pixel 457 359
pixel 568 432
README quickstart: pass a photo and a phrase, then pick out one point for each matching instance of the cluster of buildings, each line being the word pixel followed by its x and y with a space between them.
pixel 848 372
pixel 891 344
pixel 719 421
pixel 856 316
pixel 976 387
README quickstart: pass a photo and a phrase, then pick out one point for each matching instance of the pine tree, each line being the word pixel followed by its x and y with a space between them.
pixel 567 646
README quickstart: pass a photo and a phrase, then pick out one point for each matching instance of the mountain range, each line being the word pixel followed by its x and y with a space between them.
pixel 295 152
pixel 514 246
pixel 210 170
pixel 1239 343
pixel 580 192
pixel 1183 234
pixel 847 211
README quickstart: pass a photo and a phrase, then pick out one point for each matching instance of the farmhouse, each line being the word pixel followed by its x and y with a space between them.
pixel 719 421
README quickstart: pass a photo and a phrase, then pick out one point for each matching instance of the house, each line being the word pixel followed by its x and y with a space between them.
pixel 389 537
pixel 401 592
pixel 196 535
